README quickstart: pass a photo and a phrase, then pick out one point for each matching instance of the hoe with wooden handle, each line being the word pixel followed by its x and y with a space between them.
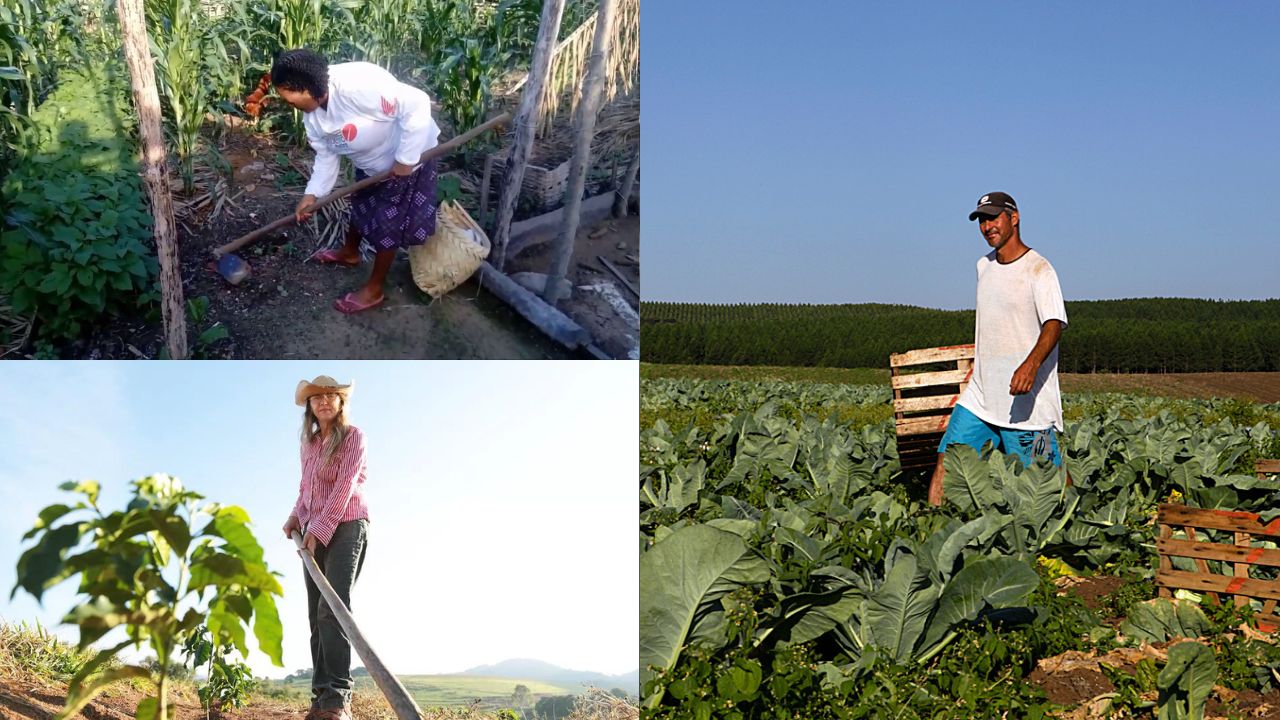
pixel 233 268
pixel 392 689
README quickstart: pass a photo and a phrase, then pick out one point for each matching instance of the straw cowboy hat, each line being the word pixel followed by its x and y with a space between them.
pixel 322 384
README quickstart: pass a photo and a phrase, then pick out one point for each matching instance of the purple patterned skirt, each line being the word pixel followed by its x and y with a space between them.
pixel 397 212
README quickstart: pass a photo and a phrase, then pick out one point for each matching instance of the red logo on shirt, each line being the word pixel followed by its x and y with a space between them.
pixel 389 107
pixel 349 132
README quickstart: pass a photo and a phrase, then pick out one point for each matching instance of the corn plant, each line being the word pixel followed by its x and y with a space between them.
pixel 385 25
pixel 178 46
pixel 157 570
pixel 465 51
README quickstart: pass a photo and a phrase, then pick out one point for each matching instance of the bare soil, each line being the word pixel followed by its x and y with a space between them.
pixel 284 309
pixel 31 698
pixel 1253 386
pixel 1093 591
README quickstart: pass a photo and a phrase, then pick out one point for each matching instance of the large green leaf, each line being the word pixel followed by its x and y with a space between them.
pixel 267 628
pixel 1186 681
pixel 676 576
pixel 894 614
pixel 968 481
pixel 992 582
pixel 42 566
pixel 1164 619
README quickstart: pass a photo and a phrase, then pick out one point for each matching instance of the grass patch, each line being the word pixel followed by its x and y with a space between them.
pixel 35 650
pixel 435 690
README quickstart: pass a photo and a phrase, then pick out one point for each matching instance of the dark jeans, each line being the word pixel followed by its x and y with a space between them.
pixel 340 562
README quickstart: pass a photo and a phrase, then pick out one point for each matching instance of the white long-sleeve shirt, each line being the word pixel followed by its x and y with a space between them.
pixel 370 117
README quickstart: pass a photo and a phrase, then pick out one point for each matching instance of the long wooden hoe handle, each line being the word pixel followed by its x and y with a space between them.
pixel 435 152
pixel 392 689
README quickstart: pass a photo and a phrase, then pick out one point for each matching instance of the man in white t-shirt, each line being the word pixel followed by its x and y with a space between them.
pixel 1012 399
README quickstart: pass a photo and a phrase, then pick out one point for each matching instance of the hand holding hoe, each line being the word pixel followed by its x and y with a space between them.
pixel 392 689
pixel 233 268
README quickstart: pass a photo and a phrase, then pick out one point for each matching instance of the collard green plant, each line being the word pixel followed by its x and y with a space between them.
pixel 1162 619
pixel 157 570
pixel 1186 681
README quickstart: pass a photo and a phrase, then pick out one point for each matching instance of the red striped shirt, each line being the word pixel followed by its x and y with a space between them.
pixel 331 492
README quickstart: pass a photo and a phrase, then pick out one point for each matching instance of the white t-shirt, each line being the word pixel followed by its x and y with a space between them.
pixel 370 117
pixel 1014 301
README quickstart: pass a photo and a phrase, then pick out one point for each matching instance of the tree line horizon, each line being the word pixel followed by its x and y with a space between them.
pixel 1128 335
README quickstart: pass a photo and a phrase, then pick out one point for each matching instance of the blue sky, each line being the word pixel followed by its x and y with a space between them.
pixel 831 151
pixel 501 493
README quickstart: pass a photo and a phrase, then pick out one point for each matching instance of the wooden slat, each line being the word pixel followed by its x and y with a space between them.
pixel 897 394
pixel 1242 555
pixel 1201 564
pixel 914 426
pixel 931 355
pixel 1212 583
pixel 1166 563
pixel 1267 467
pixel 1229 520
pixel 931 402
pixel 945 377
pixel 1242 567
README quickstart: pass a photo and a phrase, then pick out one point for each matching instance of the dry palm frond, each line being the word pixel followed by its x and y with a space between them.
pixel 15 329
pixel 569 64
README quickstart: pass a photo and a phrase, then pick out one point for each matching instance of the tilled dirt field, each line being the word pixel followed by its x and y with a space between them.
pixel 1256 386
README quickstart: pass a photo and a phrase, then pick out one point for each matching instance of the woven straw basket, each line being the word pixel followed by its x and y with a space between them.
pixel 452 254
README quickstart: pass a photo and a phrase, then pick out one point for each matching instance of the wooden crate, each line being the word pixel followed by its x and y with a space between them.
pixel 922 400
pixel 543 187
pixel 1239 556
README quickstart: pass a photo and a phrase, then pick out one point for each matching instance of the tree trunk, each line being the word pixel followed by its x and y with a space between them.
pixel 585 130
pixel 623 193
pixel 526 124
pixel 155 173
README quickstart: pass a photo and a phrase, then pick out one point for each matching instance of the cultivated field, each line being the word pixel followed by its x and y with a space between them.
pixel 1255 386
pixel 789 569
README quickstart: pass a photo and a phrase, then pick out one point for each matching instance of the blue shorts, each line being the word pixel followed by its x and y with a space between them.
pixel 965 428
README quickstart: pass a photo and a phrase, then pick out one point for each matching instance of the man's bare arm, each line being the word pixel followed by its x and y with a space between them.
pixel 1025 376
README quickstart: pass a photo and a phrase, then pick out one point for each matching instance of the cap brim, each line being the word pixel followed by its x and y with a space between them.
pixel 990 211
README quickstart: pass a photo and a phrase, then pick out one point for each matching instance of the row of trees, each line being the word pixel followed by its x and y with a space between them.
pixel 1140 335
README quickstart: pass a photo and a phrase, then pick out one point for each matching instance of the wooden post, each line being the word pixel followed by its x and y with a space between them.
pixel 155 173
pixel 525 125
pixel 585 130
pixel 401 702
pixel 622 196
pixel 484 191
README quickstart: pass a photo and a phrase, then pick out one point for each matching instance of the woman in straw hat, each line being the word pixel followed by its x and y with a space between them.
pixel 331 515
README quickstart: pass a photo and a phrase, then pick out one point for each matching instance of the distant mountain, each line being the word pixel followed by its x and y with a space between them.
pixel 525 669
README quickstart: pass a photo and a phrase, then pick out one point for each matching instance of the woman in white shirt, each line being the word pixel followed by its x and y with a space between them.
pixel 361 111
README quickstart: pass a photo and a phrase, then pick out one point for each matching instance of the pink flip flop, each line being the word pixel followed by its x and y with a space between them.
pixel 348 305
pixel 331 257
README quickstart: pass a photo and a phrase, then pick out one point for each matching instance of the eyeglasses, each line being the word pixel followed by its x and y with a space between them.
pixel 331 397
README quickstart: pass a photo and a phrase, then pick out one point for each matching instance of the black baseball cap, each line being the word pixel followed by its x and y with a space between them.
pixel 993 204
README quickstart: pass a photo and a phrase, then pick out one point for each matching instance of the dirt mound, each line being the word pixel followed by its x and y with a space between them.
pixel 34 699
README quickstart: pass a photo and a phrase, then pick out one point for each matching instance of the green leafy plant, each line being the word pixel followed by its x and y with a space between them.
pixel 76 250
pixel 198 314
pixel 229 683
pixel 156 572
pixel 1186 681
